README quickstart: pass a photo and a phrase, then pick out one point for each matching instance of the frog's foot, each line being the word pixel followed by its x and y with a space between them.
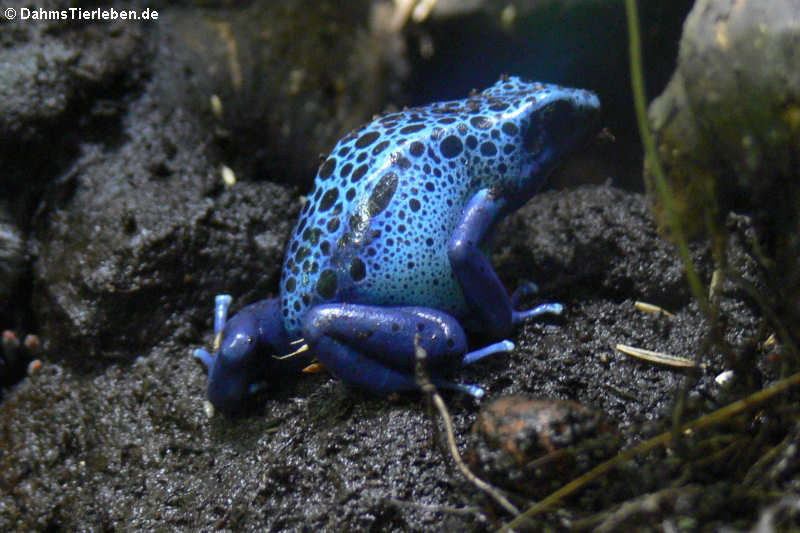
pixel 246 354
pixel 525 289
pixel 475 391
pixel 504 346
pixel 542 309
pixel 372 347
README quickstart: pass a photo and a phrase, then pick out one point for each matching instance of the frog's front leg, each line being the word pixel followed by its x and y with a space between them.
pixel 372 347
pixel 484 292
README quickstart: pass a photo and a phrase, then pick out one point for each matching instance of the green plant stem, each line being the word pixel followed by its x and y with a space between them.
pixel 648 142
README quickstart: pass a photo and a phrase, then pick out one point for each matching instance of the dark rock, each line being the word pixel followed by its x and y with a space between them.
pixel 608 240
pixel 53 72
pixel 129 255
pixel 291 77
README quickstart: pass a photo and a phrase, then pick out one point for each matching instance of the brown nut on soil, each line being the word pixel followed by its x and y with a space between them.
pixel 533 446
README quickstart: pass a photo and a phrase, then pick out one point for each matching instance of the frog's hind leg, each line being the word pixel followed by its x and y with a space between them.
pixel 485 294
pixel 372 347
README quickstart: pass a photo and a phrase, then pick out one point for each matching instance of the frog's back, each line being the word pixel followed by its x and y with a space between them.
pixel 376 226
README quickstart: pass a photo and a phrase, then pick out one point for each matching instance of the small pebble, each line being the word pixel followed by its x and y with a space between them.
pixel 533 446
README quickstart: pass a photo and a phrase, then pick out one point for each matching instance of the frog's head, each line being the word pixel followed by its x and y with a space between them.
pixel 244 347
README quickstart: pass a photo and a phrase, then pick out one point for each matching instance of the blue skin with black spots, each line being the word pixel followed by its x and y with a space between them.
pixel 389 243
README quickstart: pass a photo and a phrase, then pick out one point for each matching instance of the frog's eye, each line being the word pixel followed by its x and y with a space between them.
pixel 562 122
pixel 250 339
pixel 552 128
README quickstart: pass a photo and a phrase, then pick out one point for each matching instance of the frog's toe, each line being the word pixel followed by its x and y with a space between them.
pixel 543 309
pixel 204 356
pixel 503 346
pixel 221 304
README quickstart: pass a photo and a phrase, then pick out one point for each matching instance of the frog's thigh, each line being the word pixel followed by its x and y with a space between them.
pixel 485 294
pixel 373 346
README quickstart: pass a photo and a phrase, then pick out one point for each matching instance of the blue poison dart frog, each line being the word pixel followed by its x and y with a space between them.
pixel 389 245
